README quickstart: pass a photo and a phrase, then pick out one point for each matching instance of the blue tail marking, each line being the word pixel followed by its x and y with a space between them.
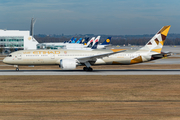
pixel 95 45
pixel 74 41
pixel 71 39
pixel 107 41
pixel 79 41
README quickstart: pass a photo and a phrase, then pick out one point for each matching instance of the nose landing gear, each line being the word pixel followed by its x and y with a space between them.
pixel 17 69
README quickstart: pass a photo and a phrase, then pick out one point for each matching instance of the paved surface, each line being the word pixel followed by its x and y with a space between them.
pixel 162 61
pixel 95 72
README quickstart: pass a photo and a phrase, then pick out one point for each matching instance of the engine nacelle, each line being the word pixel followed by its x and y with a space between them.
pixel 68 64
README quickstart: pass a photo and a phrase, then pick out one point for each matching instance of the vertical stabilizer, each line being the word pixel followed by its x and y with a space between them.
pixel 89 44
pixel 95 43
pixel 78 42
pixel 85 41
pixel 71 40
pixel 74 41
pixel 107 41
pixel 157 42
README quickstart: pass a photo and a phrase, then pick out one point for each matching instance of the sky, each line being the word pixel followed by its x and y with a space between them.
pixel 109 17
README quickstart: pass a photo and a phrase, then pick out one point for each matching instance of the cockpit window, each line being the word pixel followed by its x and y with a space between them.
pixel 9 55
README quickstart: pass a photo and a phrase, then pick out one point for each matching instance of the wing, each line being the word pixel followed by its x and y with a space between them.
pixel 95 57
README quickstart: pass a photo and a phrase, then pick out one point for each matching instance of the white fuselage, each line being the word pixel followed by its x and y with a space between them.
pixel 53 57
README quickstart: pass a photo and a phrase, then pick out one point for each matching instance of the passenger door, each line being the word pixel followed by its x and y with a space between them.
pixel 19 56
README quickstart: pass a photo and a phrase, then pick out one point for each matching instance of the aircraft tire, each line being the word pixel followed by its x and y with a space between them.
pixel 17 69
pixel 90 69
pixel 87 69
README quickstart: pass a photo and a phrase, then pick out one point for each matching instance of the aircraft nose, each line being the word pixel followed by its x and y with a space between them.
pixel 5 60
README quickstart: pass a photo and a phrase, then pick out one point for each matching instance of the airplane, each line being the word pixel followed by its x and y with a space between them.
pixel 101 46
pixel 62 45
pixel 85 46
pixel 93 41
pixel 70 59
pixel 90 43
pixel 78 42
pixel 105 44
pixel 84 41
pixel 74 41
pixel 70 40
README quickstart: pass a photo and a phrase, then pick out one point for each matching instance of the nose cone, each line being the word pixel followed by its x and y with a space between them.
pixel 5 60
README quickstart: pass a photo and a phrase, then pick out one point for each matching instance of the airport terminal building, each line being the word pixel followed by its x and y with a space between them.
pixel 17 40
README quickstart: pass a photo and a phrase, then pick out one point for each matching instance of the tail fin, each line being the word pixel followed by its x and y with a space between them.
pixel 86 40
pixel 95 43
pixel 157 42
pixel 82 41
pixel 71 40
pixel 79 41
pixel 107 41
pixel 89 44
pixel 74 41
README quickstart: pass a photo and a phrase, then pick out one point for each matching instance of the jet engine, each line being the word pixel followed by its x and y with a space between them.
pixel 68 64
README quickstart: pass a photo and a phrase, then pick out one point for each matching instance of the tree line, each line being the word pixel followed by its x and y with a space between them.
pixel 114 41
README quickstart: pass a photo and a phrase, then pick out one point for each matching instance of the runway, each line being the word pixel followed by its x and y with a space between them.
pixel 94 72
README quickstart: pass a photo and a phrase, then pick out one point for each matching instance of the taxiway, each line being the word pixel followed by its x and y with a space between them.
pixel 94 72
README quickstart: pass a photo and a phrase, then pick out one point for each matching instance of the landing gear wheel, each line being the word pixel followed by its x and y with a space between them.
pixel 17 69
pixel 87 69
pixel 90 69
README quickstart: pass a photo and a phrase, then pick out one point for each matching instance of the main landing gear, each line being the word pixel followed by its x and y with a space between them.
pixel 87 69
